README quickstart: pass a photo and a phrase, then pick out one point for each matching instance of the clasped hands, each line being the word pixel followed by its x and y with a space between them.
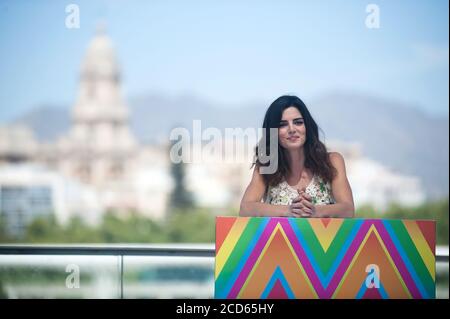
pixel 302 206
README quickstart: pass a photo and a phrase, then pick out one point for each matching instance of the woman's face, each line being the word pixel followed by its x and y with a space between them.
pixel 292 130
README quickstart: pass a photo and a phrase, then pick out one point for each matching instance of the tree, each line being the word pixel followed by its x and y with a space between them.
pixel 131 229
pixel 196 227
pixel 180 198
pixel 4 238
pixel 44 230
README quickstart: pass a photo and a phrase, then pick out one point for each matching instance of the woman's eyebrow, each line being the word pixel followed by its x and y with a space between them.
pixel 298 118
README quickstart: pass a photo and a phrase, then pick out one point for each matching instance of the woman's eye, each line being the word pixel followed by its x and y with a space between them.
pixel 300 122
pixel 282 124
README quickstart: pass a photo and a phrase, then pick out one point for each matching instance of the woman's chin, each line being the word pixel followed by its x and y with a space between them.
pixel 292 146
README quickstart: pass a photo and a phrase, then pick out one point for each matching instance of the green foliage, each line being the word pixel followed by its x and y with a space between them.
pixel 3 235
pixel 47 230
pixel 3 294
pixel 131 229
pixel 113 229
pixel 44 230
pixel 180 197
pixel 78 232
pixel 193 225
pixel 196 226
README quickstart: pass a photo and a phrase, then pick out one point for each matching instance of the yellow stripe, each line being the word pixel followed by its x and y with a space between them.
pixel 230 242
pixel 325 235
pixel 298 263
pixel 422 246
pixel 278 228
pixel 374 230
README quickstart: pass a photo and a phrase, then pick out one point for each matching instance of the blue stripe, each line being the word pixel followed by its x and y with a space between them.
pixel 383 292
pixel 223 293
pixel 363 290
pixel 325 280
pixel 278 274
pixel 406 260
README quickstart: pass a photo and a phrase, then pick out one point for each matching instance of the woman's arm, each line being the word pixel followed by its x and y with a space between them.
pixel 251 204
pixel 342 192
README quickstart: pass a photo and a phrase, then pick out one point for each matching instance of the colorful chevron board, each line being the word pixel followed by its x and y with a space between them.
pixel 304 258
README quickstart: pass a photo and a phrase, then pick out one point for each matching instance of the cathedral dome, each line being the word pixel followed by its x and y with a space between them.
pixel 100 61
pixel 99 97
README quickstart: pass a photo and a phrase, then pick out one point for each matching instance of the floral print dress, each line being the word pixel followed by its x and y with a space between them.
pixel 283 193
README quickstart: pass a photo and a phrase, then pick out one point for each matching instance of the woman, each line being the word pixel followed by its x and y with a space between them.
pixel 308 181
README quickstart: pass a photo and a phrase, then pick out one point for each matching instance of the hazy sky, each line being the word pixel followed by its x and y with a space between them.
pixel 230 52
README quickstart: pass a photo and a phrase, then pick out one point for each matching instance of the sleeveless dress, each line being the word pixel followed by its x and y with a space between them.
pixel 283 193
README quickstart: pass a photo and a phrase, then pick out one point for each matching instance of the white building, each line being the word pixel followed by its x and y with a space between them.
pixel 28 191
pixel 99 144
pixel 17 144
pixel 374 184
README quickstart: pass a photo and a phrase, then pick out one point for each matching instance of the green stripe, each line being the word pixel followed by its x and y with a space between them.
pixel 325 259
pixel 413 255
pixel 238 252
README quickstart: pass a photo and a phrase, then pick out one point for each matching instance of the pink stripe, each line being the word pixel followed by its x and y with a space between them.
pixel 253 258
pixel 356 243
pixel 310 272
pixel 398 260
pixel 304 260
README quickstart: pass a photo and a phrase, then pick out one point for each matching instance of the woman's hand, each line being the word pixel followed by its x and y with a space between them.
pixel 302 206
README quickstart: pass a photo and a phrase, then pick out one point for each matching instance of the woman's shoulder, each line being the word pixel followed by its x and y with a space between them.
pixel 335 157
pixel 337 160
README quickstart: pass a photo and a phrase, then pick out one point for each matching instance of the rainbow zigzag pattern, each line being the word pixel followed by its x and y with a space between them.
pixel 269 257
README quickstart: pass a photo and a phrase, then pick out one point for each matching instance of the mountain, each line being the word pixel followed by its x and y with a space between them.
pixel 153 116
pixel 403 138
pixel 47 122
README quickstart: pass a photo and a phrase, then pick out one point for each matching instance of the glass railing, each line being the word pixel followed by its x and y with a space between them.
pixel 125 271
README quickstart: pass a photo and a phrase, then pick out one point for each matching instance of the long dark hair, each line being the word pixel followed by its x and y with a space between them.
pixel 316 155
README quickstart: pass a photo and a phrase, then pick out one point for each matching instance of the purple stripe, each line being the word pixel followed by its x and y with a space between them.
pixel 304 260
pixel 310 272
pixel 356 243
pixel 253 258
pixel 398 260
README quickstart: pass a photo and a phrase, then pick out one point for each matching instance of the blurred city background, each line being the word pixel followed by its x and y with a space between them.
pixel 92 89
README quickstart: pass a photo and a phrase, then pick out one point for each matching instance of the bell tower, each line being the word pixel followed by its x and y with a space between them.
pixel 99 142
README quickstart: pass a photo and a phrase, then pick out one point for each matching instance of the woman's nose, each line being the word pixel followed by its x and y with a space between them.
pixel 291 127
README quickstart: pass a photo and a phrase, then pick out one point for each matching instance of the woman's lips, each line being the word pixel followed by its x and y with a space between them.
pixel 293 138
